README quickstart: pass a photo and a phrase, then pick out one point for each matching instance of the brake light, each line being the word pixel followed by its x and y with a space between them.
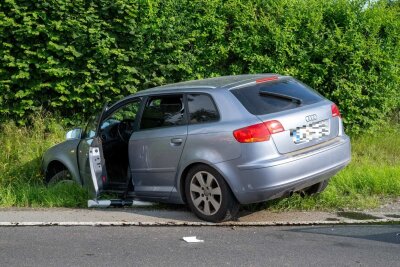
pixel 335 111
pixel 272 78
pixel 258 132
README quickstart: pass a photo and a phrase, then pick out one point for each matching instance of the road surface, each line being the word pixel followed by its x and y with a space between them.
pixel 223 246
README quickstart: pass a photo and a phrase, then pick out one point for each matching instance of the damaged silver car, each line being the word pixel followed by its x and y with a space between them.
pixel 212 144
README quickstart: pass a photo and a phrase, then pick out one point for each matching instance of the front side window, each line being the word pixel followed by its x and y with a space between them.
pixel 163 111
pixel 90 130
pixel 126 113
pixel 201 109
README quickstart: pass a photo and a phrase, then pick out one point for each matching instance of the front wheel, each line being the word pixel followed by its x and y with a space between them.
pixel 209 196
pixel 60 177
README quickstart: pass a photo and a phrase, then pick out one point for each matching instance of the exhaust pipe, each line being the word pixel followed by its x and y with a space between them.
pixel 117 203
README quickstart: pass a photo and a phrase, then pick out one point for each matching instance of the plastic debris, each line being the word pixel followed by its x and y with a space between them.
pixel 192 239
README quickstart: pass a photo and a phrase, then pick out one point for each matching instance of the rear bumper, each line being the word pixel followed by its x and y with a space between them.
pixel 269 179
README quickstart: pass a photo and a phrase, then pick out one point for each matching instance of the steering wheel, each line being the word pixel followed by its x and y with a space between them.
pixel 125 129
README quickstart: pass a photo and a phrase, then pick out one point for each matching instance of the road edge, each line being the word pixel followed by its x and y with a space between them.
pixel 225 224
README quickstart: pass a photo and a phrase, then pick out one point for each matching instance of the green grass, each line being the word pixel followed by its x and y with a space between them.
pixel 21 182
pixel 372 177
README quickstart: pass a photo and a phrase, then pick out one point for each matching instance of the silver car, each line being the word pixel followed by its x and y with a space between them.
pixel 213 144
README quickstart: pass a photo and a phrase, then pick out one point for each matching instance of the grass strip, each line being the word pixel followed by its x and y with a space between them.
pixel 372 177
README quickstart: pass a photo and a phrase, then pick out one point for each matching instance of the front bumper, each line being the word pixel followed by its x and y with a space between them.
pixel 269 179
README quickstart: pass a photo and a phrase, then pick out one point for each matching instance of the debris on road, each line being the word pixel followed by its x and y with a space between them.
pixel 192 239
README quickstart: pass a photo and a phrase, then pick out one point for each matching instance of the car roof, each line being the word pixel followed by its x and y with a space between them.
pixel 226 82
pixel 210 83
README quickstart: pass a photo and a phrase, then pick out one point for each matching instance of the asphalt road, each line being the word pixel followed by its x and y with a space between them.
pixel 163 246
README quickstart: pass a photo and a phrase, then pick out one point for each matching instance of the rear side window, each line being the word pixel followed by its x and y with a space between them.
pixel 271 97
pixel 201 109
pixel 163 111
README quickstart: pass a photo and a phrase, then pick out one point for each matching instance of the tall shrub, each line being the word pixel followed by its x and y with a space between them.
pixel 70 56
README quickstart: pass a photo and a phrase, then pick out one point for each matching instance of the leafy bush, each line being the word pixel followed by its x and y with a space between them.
pixel 70 56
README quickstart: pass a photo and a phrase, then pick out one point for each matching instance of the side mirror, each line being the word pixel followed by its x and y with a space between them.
pixel 74 134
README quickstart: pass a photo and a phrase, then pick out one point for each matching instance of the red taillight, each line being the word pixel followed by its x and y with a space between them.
pixel 267 79
pixel 258 132
pixel 335 111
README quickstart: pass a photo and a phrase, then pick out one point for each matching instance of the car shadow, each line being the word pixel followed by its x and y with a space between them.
pixel 167 212
pixel 179 212
pixel 382 233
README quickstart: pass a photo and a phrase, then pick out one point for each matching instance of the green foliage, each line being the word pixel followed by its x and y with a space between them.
pixel 70 57
pixel 21 181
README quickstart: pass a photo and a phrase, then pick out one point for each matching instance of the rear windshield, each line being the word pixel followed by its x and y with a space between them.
pixel 266 98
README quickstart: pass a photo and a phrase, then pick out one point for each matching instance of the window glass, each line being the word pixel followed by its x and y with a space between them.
pixel 125 113
pixel 163 111
pixel 201 109
pixel 90 130
pixel 259 103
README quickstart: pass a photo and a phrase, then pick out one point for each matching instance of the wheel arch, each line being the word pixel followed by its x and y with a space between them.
pixel 184 173
pixel 56 166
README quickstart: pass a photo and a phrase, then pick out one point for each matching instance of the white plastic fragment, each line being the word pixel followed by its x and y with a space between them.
pixel 192 239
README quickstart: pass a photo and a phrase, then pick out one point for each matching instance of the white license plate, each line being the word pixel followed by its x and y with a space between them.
pixel 310 132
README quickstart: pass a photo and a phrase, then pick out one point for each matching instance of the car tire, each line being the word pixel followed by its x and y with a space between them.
pixel 209 196
pixel 316 188
pixel 59 177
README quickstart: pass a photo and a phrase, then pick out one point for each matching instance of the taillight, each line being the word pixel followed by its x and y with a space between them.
pixel 335 111
pixel 258 132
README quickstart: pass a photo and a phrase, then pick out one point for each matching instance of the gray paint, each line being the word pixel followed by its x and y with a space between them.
pixel 65 153
pixel 154 157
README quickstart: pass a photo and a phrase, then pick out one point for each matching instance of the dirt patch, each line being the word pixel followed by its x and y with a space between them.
pixel 356 215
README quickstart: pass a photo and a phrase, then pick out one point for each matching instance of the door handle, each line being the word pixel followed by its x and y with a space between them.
pixel 176 141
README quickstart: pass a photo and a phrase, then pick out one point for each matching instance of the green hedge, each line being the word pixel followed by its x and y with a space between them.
pixel 70 56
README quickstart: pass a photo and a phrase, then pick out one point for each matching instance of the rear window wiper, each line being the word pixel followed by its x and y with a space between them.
pixel 283 96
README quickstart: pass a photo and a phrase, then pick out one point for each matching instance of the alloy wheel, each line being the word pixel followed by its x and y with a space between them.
pixel 206 193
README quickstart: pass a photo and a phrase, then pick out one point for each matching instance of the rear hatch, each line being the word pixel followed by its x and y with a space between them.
pixel 305 115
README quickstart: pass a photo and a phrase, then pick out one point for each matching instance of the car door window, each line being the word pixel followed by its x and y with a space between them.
pixel 90 130
pixel 201 109
pixel 126 113
pixel 163 111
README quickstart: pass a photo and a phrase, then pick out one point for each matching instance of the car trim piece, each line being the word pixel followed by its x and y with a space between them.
pixel 94 155
pixel 147 170
pixel 312 117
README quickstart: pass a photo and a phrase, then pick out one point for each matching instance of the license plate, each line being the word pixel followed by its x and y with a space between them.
pixel 310 132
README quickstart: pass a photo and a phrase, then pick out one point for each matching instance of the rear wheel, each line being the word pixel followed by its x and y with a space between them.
pixel 208 195
pixel 60 177
pixel 316 189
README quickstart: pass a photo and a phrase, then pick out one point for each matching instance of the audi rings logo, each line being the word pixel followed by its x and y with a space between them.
pixel 312 117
